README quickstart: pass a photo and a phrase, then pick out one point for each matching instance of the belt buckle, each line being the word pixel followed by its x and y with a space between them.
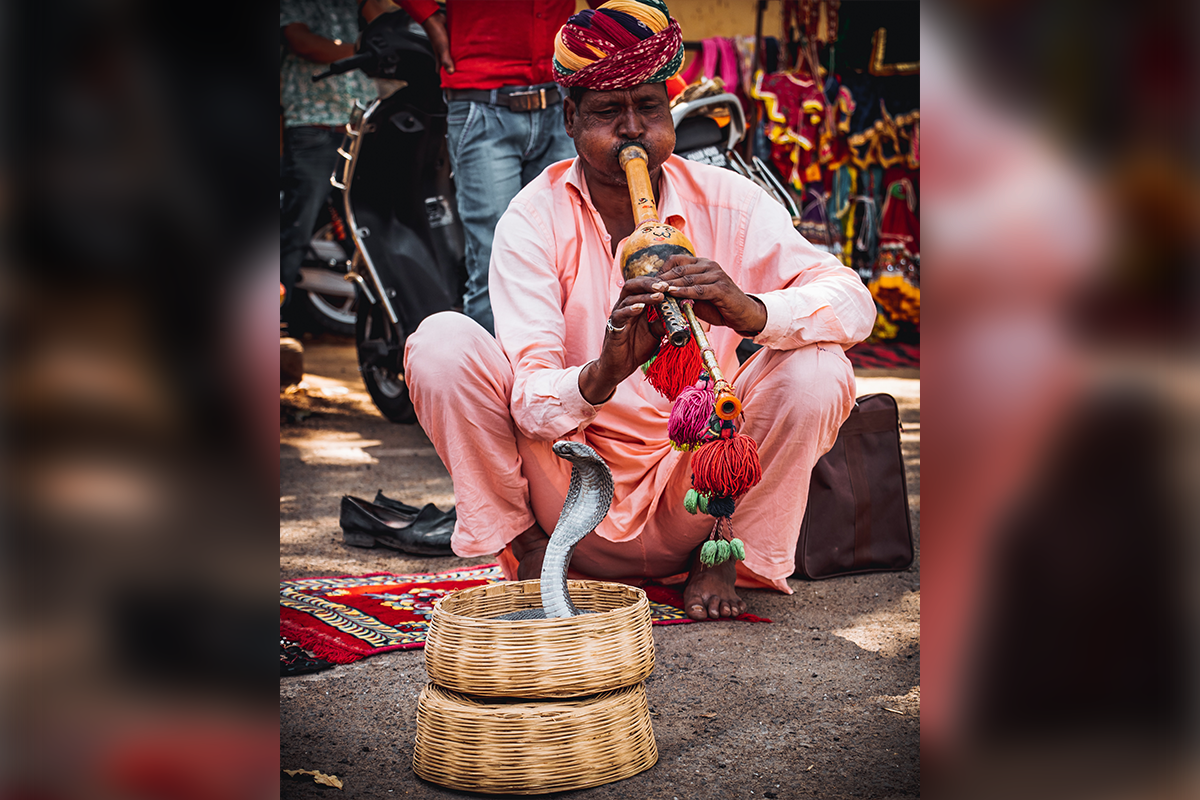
pixel 527 101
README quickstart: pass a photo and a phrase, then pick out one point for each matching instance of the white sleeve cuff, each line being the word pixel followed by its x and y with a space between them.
pixel 779 319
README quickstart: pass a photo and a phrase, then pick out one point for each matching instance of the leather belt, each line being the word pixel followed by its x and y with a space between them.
pixel 514 98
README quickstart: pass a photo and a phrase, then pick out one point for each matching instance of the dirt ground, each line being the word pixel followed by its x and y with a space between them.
pixel 823 702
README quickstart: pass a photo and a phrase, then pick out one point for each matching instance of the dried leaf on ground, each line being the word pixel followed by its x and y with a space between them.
pixel 318 777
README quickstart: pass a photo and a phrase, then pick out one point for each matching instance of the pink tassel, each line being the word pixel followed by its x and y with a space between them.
pixel 690 416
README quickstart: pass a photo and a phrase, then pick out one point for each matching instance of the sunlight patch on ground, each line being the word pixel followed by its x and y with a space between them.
pixel 331 448
pixel 888 631
pixel 329 387
pixel 907 704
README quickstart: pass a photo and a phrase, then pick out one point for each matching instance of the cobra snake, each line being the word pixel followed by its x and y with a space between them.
pixel 588 499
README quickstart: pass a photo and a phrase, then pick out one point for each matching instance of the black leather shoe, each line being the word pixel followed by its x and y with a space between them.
pixel 395 505
pixel 366 524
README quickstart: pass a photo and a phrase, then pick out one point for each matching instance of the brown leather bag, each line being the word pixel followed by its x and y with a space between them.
pixel 857 515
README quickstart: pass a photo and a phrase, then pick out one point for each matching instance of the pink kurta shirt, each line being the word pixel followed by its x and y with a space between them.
pixel 554 281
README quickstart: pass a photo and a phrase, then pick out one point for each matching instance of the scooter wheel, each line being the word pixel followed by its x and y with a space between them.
pixel 380 349
pixel 390 394
pixel 317 313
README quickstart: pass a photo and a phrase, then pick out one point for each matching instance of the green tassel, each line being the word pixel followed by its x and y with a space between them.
pixel 722 551
pixel 702 506
pixel 739 549
pixel 691 500
pixel 708 553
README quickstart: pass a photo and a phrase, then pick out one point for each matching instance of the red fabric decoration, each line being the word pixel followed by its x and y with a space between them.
pixel 345 618
pixel 641 63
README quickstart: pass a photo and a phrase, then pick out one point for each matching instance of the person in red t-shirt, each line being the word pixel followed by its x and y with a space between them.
pixel 505 110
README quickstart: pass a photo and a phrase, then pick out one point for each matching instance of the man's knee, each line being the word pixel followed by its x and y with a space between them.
pixel 448 347
pixel 812 383
pixel 832 374
pixel 440 342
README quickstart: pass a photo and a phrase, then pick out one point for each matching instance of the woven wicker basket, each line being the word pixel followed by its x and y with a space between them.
pixel 524 747
pixel 467 651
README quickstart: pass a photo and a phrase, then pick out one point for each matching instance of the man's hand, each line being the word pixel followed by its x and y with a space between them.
pixel 435 27
pixel 530 550
pixel 626 348
pixel 716 298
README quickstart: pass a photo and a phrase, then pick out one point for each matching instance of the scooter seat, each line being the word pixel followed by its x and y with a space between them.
pixel 695 133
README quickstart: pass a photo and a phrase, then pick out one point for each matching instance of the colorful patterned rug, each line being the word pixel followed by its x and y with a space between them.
pixel 884 355
pixel 340 620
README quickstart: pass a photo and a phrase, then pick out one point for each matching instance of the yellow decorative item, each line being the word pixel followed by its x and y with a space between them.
pixel 877 67
pixel 896 278
pixel 884 328
pixel 893 289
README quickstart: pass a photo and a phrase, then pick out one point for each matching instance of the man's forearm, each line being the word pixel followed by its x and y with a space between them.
pixel 594 387
pixel 314 47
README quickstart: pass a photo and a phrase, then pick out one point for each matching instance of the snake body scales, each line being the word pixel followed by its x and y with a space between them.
pixel 588 500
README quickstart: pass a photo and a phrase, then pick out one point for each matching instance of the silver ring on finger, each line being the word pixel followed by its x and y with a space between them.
pixel 612 329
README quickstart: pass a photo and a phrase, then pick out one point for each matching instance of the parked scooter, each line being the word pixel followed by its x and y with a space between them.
pixel 399 204
pixel 324 300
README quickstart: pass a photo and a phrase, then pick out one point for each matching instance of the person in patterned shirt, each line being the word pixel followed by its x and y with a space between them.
pixel 315 32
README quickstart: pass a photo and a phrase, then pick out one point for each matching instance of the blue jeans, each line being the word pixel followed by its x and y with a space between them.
pixel 309 157
pixel 494 152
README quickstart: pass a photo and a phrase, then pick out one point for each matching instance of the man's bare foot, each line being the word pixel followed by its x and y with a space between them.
pixel 709 592
pixel 530 550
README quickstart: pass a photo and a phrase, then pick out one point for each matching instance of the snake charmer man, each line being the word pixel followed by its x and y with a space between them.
pixel 572 335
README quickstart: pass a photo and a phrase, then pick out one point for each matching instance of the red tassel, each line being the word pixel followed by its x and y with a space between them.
pixel 726 467
pixel 675 368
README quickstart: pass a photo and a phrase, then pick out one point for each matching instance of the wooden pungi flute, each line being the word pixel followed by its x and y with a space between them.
pixel 646 252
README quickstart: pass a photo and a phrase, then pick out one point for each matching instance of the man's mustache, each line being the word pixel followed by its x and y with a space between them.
pixel 620 145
